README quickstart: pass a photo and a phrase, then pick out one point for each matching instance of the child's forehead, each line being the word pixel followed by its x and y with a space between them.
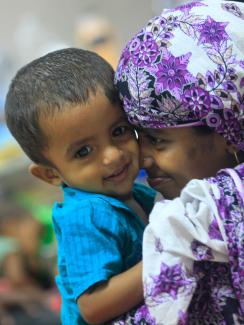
pixel 82 119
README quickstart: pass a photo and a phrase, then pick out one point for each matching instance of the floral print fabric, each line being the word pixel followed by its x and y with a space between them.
pixel 193 254
pixel 186 67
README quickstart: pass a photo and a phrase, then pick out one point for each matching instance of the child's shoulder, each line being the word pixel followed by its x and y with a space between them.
pixel 74 198
pixel 85 205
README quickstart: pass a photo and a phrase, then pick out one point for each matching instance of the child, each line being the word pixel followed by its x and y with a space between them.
pixel 64 111
pixel 181 80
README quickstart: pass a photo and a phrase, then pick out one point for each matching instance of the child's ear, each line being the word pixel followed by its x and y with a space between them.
pixel 47 174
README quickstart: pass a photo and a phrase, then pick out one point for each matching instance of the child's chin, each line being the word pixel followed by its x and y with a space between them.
pixel 124 194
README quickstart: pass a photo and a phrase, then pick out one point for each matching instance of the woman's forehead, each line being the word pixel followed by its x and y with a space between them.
pixel 168 132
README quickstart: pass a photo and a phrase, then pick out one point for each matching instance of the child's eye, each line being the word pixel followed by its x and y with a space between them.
pixel 83 152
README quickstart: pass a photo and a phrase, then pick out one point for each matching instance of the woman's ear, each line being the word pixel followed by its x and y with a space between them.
pixel 47 174
pixel 231 148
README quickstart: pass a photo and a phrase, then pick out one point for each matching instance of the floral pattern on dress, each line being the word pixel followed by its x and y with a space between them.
pixel 234 9
pixel 214 289
pixel 213 301
pixel 231 209
pixel 213 231
pixel 200 251
pixel 170 282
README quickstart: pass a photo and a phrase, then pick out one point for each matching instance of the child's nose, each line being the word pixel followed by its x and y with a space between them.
pixel 112 154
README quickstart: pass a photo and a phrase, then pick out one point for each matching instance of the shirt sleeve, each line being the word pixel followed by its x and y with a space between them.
pixel 180 232
pixel 91 240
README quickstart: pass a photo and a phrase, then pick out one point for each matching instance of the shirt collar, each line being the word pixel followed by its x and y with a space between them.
pixel 143 195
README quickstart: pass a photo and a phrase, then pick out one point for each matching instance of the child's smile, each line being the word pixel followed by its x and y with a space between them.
pixel 119 175
pixel 93 147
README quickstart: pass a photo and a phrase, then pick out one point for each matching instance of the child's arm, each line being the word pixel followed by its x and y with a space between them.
pixel 114 297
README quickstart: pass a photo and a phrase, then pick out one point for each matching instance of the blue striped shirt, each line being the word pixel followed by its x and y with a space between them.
pixel 98 237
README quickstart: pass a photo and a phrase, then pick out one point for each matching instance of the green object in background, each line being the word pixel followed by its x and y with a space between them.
pixel 42 212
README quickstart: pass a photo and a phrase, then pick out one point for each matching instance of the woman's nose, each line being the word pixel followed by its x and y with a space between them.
pixel 146 162
pixel 112 154
pixel 146 159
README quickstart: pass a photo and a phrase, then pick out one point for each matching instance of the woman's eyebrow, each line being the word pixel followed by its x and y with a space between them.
pixel 155 132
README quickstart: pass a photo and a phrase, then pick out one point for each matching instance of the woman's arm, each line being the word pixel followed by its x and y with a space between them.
pixel 114 297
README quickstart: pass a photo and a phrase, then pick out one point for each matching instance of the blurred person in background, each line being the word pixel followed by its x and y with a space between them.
pixel 27 291
pixel 96 33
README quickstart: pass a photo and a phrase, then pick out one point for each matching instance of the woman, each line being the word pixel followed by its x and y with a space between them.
pixel 181 80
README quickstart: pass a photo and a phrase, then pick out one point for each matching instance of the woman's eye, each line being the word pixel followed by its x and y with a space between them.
pixel 120 131
pixel 154 141
pixel 83 152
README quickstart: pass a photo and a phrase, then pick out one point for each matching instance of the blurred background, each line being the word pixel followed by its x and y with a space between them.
pixel 29 29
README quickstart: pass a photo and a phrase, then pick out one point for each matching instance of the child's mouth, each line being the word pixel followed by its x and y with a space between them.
pixel 119 175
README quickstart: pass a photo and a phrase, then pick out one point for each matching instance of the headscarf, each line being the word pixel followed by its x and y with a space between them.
pixel 186 68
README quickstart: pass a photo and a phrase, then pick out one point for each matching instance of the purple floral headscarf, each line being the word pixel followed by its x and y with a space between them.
pixel 186 67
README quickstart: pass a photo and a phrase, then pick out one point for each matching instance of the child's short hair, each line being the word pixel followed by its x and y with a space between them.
pixel 47 85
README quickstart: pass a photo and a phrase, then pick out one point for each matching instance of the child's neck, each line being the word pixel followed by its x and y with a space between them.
pixel 137 208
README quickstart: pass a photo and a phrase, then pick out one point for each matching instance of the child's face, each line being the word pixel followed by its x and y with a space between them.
pixel 93 147
pixel 172 157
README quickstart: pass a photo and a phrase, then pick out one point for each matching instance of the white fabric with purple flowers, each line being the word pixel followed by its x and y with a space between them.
pixel 205 225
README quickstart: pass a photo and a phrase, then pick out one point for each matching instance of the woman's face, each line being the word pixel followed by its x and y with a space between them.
pixel 172 157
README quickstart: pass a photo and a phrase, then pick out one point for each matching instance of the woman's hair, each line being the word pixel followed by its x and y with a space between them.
pixel 203 130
